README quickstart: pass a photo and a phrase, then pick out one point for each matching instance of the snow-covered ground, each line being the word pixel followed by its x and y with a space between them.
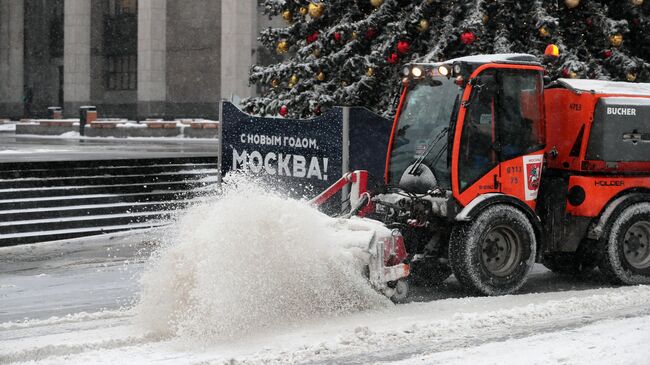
pixel 74 302
pixel 7 127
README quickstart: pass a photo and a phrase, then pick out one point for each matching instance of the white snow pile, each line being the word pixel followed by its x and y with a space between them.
pixel 250 260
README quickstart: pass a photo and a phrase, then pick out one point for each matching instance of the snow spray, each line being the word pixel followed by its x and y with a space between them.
pixel 251 259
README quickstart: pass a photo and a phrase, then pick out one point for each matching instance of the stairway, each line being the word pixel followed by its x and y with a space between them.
pixel 47 201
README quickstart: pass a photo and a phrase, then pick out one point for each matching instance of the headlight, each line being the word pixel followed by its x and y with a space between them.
pixel 457 69
pixel 444 71
pixel 416 71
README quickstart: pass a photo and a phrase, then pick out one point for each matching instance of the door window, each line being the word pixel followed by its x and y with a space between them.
pixel 520 113
pixel 477 153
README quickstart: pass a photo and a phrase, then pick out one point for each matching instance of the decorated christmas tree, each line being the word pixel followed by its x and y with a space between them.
pixel 350 52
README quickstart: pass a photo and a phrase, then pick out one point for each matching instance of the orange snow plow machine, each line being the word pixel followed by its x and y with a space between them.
pixel 489 171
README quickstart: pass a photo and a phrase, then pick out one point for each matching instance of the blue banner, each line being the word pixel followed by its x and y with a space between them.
pixel 303 156
pixel 369 136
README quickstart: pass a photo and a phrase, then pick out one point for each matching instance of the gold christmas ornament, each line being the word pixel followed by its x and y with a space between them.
pixel 485 18
pixel 423 25
pixel 293 79
pixel 287 15
pixel 320 76
pixel 355 35
pixel 631 76
pixel 282 47
pixel 616 40
pixel 316 10
pixel 303 11
pixel 370 72
pixel 637 3
pixel 571 3
pixel 376 3
pixel 543 31
pixel 275 83
pixel 573 75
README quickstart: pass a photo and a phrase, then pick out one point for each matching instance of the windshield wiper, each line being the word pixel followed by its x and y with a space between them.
pixel 430 148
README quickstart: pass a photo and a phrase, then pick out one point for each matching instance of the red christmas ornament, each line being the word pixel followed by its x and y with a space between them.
pixel 393 58
pixel 403 47
pixel 284 111
pixel 371 33
pixel 312 37
pixel 337 36
pixel 317 110
pixel 467 38
pixel 565 73
pixel 589 22
pixel 607 53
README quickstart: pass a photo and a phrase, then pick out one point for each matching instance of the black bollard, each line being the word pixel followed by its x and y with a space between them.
pixel 84 111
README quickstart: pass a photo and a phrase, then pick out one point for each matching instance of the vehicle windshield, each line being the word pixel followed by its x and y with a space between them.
pixel 424 118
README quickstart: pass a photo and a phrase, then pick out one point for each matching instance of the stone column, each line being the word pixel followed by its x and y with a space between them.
pixel 152 50
pixel 11 58
pixel 76 55
pixel 238 35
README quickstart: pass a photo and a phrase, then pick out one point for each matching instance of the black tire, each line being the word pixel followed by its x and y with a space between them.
pixel 429 274
pixel 625 247
pixel 493 254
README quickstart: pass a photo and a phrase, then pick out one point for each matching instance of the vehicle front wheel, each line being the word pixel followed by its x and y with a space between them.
pixel 626 247
pixel 493 254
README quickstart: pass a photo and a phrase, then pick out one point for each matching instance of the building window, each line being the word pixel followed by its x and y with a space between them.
pixel 56 28
pixel 120 46
pixel 119 7
pixel 121 73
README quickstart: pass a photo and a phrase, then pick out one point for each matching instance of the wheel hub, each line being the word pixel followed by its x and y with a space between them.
pixel 501 251
pixel 636 246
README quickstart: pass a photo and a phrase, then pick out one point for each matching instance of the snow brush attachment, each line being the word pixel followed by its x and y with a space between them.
pixel 387 271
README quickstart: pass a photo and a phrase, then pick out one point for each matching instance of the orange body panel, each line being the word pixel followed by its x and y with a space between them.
pixel 519 178
pixel 566 113
pixel 599 190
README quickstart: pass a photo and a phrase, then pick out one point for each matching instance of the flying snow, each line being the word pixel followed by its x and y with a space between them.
pixel 251 259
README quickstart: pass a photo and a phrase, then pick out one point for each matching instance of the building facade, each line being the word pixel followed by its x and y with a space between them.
pixel 129 58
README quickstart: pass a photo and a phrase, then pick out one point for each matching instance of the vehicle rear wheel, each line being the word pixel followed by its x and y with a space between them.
pixel 493 254
pixel 626 247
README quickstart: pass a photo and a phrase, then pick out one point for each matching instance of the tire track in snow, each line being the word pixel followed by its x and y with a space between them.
pixel 366 345
pixel 48 351
pixel 69 318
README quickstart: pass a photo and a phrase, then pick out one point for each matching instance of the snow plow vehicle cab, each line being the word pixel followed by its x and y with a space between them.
pixel 488 171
